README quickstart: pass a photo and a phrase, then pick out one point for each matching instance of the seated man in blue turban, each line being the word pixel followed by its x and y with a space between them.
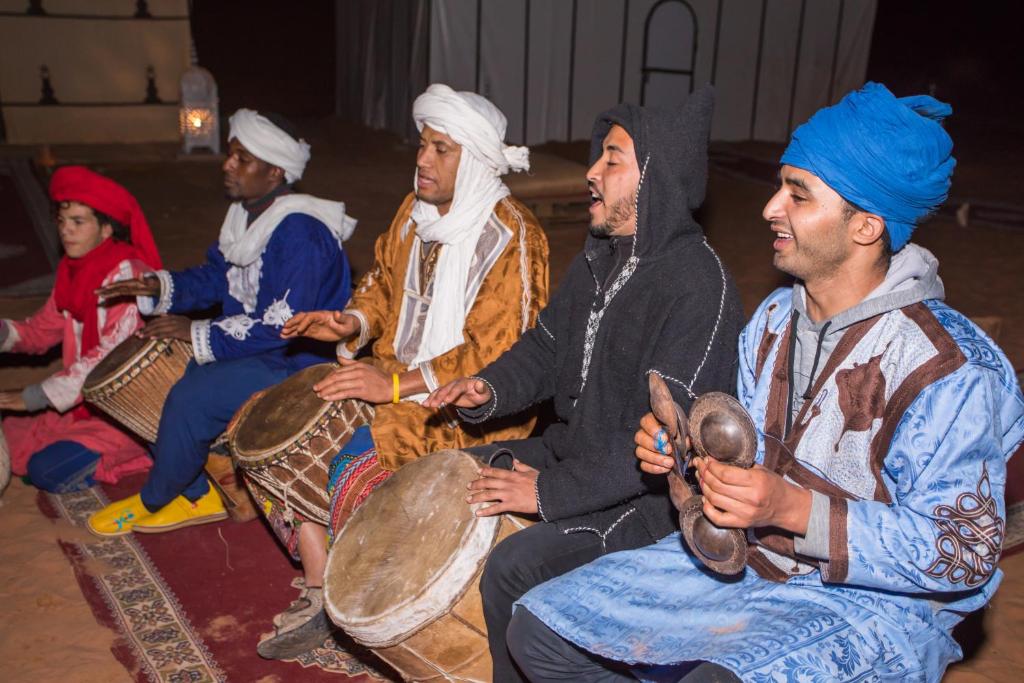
pixel 884 419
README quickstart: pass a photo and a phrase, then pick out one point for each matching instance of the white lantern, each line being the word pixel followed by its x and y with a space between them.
pixel 198 118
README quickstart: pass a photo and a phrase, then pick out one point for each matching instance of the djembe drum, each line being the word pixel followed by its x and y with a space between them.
pixel 131 385
pixel 403 574
pixel 283 440
pixel 132 382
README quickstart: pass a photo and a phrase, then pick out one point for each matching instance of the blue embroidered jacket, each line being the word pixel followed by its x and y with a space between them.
pixel 302 268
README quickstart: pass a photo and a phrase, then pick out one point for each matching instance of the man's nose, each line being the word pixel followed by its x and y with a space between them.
pixel 772 209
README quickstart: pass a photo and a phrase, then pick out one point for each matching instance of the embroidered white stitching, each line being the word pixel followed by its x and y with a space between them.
pixel 278 313
pixel 603 536
pixel 714 332
pixel 536 493
pixel 237 326
pixel 200 332
pixel 540 323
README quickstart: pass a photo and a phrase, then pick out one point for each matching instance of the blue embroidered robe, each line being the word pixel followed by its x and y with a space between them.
pixel 302 268
pixel 906 437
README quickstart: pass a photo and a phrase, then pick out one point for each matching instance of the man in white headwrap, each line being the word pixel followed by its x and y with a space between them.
pixel 458 277
pixel 279 252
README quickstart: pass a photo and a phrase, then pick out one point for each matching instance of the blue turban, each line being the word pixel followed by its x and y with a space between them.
pixel 889 156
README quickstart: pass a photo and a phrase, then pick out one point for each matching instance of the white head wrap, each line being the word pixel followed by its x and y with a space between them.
pixel 479 127
pixel 269 143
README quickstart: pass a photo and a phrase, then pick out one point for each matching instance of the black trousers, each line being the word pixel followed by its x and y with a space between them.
pixel 545 657
pixel 526 559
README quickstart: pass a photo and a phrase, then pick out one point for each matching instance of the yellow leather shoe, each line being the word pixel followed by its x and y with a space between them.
pixel 118 518
pixel 181 512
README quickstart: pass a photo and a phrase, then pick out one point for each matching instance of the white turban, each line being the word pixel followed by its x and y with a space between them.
pixel 473 122
pixel 269 143
pixel 479 127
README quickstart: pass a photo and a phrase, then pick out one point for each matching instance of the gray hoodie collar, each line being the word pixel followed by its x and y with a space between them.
pixel 913 276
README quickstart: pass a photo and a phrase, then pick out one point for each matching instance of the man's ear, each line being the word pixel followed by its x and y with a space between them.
pixel 868 228
pixel 277 174
pixel 106 230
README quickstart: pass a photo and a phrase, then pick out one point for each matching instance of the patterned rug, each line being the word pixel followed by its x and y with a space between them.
pixel 167 639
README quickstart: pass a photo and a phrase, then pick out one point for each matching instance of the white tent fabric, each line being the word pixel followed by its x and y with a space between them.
pixel 552 65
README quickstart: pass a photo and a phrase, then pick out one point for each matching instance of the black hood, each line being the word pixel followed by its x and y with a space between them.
pixel 671 146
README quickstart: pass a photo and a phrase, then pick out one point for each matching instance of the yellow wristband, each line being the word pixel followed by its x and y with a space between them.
pixel 394 381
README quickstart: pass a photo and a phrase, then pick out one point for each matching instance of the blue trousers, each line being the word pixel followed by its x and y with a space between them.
pixel 63 466
pixel 197 411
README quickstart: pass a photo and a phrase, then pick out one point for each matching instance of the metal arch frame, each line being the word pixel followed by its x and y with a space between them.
pixel 646 71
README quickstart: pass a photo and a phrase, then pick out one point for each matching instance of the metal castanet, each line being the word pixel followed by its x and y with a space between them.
pixel 720 428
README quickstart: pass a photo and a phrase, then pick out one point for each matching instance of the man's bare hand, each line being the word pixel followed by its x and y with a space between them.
pixel 507 490
pixel 146 285
pixel 11 400
pixel 356 380
pixel 167 327
pixel 748 498
pixel 653 446
pixel 329 326
pixel 468 392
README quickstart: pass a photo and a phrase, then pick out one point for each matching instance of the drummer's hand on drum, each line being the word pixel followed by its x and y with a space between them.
pixel 167 327
pixel 507 490
pixel 356 380
pixel 147 285
pixel 467 392
pixel 11 400
pixel 329 326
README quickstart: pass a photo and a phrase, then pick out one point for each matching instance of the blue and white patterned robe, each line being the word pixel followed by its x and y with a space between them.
pixel 907 435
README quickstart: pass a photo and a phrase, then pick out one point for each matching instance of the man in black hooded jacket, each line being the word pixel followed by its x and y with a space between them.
pixel 648 294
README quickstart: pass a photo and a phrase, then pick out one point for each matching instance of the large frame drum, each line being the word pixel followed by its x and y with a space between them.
pixel 403 575
pixel 132 382
pixel 284 439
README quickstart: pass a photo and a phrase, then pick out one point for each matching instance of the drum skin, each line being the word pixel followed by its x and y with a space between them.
pixel 132 382
pixel 284 439
pixel 403 574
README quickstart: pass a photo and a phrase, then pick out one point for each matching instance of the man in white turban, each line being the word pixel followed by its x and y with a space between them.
pixel 279 252
pixel 461 273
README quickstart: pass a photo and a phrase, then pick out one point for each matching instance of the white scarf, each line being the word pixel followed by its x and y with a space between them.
pixel 479 127
pixel 269 143
pixel 242 246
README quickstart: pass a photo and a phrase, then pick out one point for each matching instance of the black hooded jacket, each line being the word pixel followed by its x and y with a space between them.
pixel 677 313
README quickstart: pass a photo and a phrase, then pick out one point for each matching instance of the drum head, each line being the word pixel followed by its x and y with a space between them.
pixel 286 411
pixel 123 355
pixel 409 553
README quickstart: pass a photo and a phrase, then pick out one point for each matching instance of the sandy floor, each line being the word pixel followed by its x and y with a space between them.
pixel 47 630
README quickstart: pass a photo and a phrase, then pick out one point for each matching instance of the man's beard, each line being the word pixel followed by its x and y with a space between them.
pixel 619 214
